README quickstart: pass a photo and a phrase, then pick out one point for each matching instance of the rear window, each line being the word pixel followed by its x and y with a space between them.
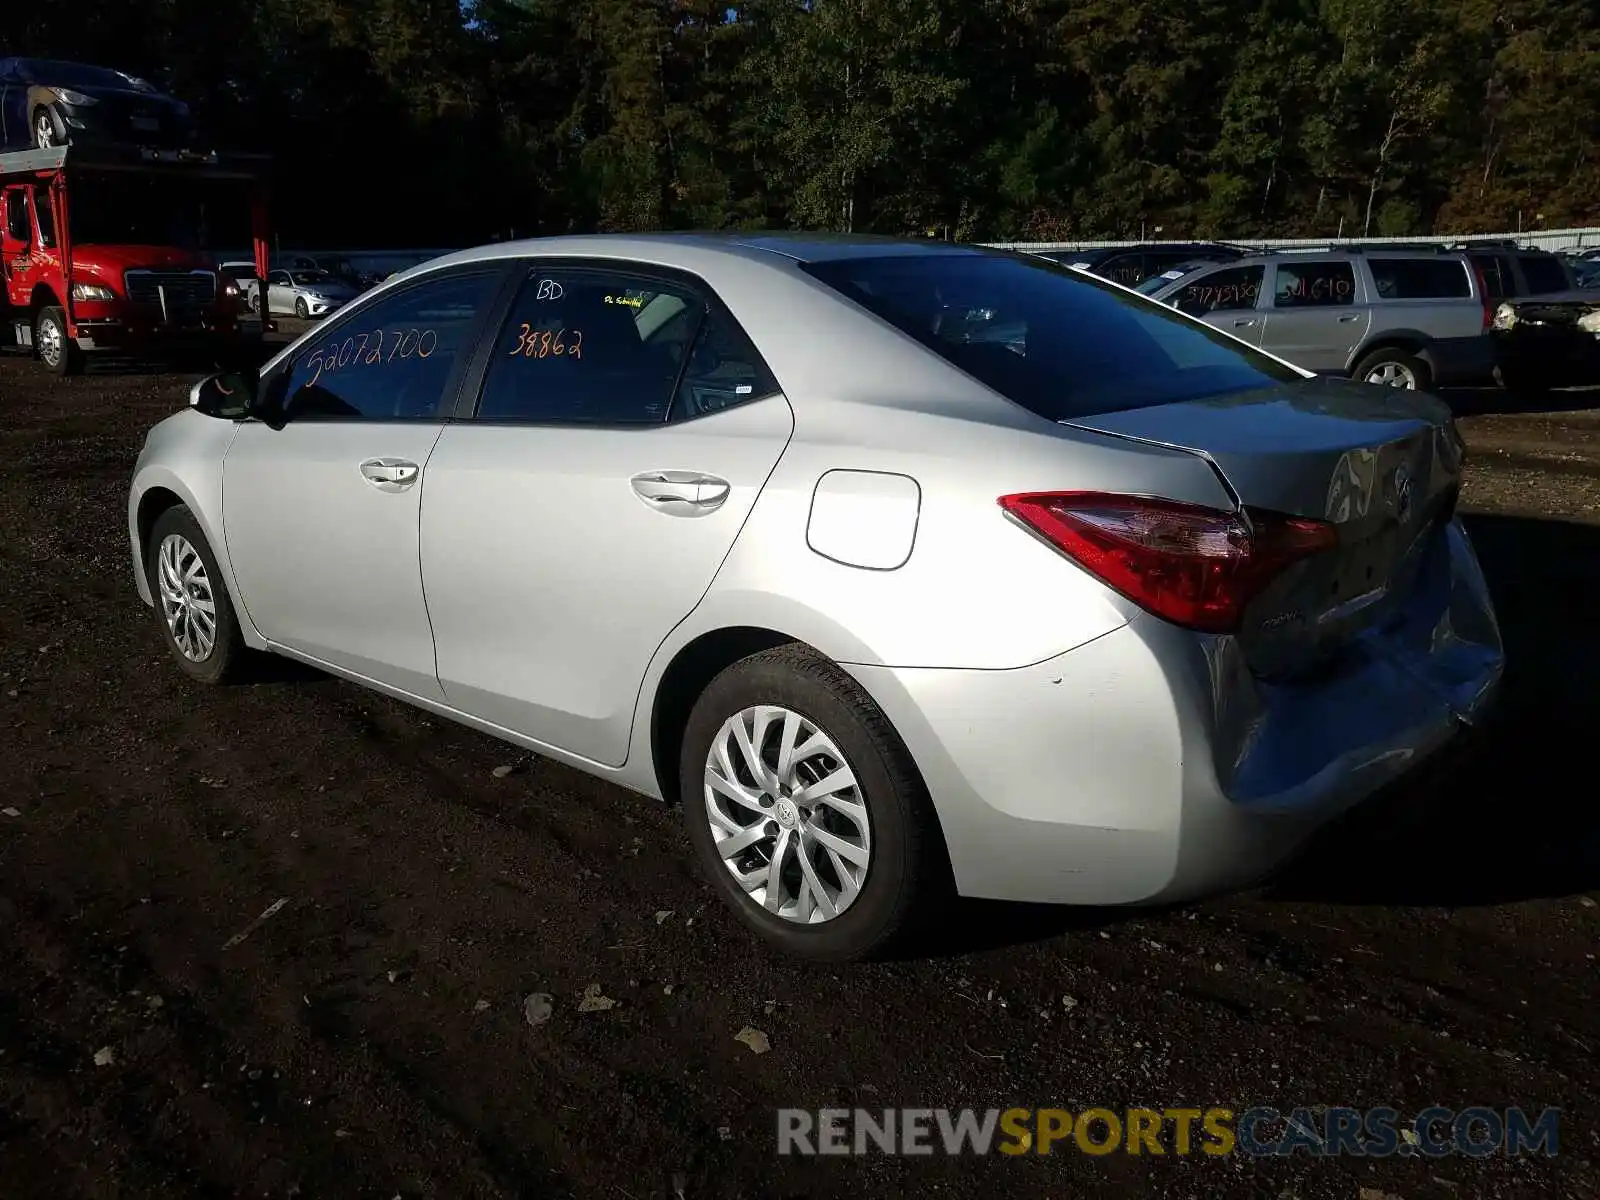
pixel 1058 343
pixel 1421 278
pixel 1544 275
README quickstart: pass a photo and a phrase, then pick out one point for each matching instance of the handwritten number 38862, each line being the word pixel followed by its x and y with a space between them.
pixel 548 343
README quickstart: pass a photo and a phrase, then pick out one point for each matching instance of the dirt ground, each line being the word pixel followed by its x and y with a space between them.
pixel 158 1037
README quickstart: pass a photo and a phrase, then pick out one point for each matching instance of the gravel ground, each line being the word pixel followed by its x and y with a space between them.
pixel 276 939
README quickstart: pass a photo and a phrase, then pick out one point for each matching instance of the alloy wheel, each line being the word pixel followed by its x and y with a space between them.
pixel 1392 374
pixel 787 816
pixel 52 342
pixel 44 131
pixel 187 600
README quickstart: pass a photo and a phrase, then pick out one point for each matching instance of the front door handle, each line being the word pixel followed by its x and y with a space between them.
pixel 680 493
pixel 1350 317
pixel 390 474
pixel 1245 321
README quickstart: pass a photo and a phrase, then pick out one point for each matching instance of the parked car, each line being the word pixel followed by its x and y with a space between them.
pixel 746 523
pixel 243 273
pixel 45 103
pixel 1404 318
pixel 1544 342
pixel 1585 271
pixel 306 294
pixel 1132 265
pixel 1511 271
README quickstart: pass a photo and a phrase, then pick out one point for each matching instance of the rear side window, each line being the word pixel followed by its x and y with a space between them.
pixel 1058 343
pixel 602 348
pixel 1421 278
pixel 1221 291
pixel 1544 275
pixel 1314 285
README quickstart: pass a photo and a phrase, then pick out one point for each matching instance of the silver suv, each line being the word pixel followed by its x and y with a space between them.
pixel 1404 317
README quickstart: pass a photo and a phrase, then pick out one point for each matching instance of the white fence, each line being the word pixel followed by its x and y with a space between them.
pixel 1543 239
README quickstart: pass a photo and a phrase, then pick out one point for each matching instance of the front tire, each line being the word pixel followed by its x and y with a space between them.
pixel 805 809
pixel 193 607
pixel 1396 368
pixel 55 347
pixel 301 309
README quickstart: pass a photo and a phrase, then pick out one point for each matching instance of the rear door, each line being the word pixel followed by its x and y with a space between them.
pixel 1228 299
pixel 625 428
pixel 1430 294
pixel 1317 315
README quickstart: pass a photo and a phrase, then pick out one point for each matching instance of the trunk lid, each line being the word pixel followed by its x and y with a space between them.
pixel 1382 465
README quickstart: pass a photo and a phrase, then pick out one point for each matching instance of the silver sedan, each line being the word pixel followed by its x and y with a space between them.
pixel 895 565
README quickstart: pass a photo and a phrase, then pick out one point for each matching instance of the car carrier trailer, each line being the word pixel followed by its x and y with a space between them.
pixel 120 284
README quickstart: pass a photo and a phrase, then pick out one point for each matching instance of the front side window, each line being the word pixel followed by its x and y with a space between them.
pixel 391 360
pixel 46 217
pixel 1061 344
pixel 595 347
pixel 1221 291
pixel 17 216
pixel 1314 285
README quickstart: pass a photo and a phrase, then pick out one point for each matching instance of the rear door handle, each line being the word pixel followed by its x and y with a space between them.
pixel 680 493
pixel 389 474
pixel 1350 317
pixel 1245 321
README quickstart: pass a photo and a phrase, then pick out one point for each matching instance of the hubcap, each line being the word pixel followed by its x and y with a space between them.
pixel 787 815
pixel 1392 374
pixel 51 342
pixel 46 132
pixel 187 601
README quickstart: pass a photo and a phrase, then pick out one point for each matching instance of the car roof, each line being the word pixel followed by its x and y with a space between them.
pixel 787 246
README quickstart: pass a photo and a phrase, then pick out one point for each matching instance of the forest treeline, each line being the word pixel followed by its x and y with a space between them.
pixel 445 122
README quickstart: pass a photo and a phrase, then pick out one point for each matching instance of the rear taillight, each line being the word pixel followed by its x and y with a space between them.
pixel 1483 295
pixel 1194 566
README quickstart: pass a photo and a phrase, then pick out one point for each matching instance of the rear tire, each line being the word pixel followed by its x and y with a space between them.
pixel 184 580
pixel 55 347
pixel 1393 367
pixel 46 136
pixel 895 856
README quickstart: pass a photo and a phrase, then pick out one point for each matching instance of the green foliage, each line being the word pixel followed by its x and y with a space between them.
pixel 438 122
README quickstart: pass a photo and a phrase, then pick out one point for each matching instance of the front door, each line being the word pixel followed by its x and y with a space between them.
pixel 1318 314
pixel 321 516
pixel 585 509
pixel 1226 298
pixel 16 243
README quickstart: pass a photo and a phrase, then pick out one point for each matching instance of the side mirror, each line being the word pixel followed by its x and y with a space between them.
pixel 230 396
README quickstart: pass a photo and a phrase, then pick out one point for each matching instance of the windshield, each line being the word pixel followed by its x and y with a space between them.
pixel 1054 341
pixel 1156 282
pixel 69 75
pixel 139 210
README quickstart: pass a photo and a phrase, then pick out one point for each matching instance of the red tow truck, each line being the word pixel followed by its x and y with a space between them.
pixel 101 253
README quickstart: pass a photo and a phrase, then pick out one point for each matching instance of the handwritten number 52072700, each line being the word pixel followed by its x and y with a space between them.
pixel 548 343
